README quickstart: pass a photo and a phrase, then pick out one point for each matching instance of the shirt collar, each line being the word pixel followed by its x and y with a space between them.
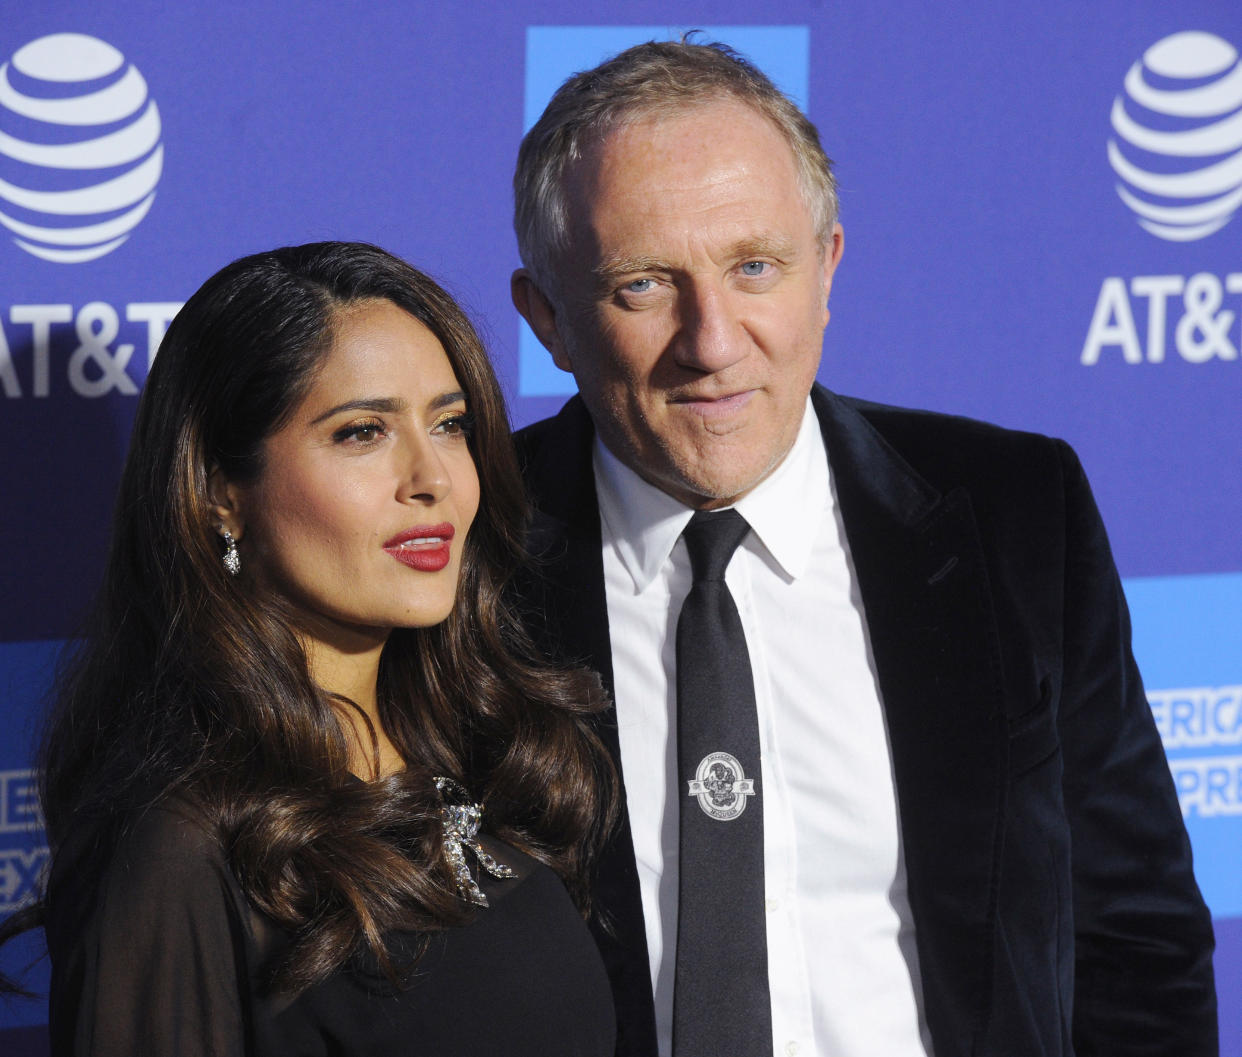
pixel 642 524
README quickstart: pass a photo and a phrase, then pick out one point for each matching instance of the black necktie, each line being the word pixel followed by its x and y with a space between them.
pixel 720 999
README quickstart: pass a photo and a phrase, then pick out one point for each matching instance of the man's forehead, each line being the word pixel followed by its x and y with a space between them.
pixel 652 135
pixel 710 115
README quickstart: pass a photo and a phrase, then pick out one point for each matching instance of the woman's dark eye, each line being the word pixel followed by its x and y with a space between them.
pixel 360 433
pixel 458 425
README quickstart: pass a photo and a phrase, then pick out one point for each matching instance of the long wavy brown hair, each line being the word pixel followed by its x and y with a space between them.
pixel 192 683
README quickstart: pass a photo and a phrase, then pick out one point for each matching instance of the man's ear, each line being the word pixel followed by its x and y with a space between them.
pixel 226 503
pixel 834 247
pixel 540 315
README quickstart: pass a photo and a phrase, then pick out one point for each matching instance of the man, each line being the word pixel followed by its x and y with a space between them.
pixel 968 838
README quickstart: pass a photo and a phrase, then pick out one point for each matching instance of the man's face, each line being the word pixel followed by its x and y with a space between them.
pixel 692 304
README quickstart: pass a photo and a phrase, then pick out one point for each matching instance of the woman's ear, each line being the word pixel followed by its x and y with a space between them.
pixel 226 503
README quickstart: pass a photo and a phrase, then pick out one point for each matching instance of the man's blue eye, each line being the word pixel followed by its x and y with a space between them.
pixel 640 286
pixel 754 267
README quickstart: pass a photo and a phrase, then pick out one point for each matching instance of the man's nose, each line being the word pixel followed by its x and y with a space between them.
pixel 711 336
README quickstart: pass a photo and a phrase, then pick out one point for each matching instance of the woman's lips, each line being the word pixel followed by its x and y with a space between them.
pixel 426 548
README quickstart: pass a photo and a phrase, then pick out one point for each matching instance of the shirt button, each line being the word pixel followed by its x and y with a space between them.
pixel 773 906
pixel 791 1049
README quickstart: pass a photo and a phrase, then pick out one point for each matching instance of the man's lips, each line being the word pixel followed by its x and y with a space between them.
pixel 426 548
pixel 714 406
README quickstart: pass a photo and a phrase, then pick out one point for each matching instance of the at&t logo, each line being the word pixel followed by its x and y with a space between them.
pixel 1178 143
pixel 79 147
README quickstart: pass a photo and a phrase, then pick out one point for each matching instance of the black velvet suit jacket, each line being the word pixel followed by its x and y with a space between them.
pixel 1049 871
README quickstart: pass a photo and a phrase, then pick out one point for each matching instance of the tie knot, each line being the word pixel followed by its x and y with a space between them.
pixel 711 538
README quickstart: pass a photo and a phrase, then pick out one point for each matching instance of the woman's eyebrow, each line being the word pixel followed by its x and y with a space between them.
pixel 444 399
pixel 388 405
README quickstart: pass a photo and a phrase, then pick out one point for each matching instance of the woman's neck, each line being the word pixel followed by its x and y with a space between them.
pixel 353 676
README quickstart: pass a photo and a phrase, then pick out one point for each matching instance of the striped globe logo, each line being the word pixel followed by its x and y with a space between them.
pixel 80 152
pixel 1178 144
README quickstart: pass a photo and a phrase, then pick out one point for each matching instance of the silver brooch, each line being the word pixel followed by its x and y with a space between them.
pixel 461 828
pixel 721 786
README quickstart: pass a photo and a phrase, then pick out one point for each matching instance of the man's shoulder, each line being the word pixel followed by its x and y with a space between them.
pixel 943 449
pixel 569 427
pixel 935 443
pixel 897 423
pixel 554 455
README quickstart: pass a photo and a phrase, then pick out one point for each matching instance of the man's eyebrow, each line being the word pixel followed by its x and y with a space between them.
pixel 777 246
pixel 615 267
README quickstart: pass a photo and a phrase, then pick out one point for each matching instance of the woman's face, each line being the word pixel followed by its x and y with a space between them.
pixel 360 514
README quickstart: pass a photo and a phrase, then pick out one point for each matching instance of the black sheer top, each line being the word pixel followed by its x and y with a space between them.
pixel 159 954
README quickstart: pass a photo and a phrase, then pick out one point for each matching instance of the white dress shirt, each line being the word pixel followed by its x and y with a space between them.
pixel 842 965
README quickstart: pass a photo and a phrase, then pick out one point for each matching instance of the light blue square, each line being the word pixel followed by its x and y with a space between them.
pixel 554 53
pixel 1187 629
pixel 1188 640
pixel 537 374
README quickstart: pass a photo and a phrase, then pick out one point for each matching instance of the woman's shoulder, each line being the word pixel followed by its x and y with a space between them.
pixel 173 832
pixel 171 837
pixel 162 859
pixel 149 936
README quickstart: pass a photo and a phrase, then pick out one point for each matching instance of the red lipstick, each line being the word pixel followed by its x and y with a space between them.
pixel 426 548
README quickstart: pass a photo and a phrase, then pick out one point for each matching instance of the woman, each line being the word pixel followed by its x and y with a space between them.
pixel 255 779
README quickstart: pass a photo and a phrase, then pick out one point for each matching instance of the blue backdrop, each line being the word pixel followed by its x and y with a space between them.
pixel 1039 207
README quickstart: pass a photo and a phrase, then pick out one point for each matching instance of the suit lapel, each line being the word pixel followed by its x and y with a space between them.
pixel 564 542
pixel 568 614
pixel 933 635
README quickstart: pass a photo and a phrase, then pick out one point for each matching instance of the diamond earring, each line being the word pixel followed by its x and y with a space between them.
pixel 232 560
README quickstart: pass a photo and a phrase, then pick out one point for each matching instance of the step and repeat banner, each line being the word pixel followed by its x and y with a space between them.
pixel 1040 211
